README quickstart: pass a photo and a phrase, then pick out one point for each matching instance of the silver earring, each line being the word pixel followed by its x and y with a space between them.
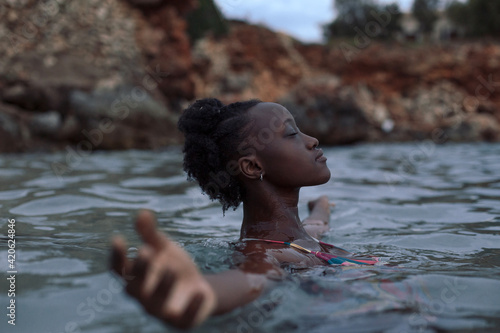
pixel 261 176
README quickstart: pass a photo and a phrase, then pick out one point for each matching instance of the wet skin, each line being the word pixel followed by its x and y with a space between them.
pixel 166 281
pixel 288 162
pixel 291 159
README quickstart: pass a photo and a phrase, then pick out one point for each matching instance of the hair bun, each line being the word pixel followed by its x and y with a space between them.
pixel 202 117
pixel 213 133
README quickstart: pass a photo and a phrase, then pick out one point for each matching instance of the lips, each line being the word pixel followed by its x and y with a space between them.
pixel 320 157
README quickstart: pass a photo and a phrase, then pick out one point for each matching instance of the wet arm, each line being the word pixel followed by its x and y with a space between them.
pixel 237 287
pixel 164 279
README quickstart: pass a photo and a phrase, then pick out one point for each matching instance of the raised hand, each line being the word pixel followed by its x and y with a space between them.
pixel 164 278
pixel 321 202
pixel 317 222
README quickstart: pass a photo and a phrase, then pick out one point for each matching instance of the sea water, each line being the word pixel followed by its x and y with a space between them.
pixel 430 212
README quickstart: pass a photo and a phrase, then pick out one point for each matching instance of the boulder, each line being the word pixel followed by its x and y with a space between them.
pixel 73 63
pixel 325 109
pixel 476 127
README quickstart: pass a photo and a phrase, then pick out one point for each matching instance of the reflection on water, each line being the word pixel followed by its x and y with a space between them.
pixel 432 214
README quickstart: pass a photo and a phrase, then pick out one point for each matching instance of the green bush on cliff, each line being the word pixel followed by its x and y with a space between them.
pixel 479 17
pixel 207 18
pixel 425 11
pixel 355 15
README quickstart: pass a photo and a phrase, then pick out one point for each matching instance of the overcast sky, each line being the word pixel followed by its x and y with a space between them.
pixel 299 18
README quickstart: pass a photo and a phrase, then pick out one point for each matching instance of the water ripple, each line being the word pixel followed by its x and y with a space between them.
pixel 433 220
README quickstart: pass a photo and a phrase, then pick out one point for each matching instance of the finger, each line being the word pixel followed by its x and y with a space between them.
pixel 161 293
pixel 187 319
pixel 146 227
pixel 118 261
pixel 136 284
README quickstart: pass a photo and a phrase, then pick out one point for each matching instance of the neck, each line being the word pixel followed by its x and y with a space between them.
pixel 272 214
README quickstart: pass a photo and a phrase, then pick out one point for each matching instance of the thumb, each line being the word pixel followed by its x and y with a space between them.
pixel 118 261
pixel 146 227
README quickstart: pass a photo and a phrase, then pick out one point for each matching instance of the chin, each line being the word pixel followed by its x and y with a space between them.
pixel 323 178
pixel 327 178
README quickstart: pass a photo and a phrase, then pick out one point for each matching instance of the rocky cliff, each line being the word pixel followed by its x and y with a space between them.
pixel 116 74
pixel 344 94
pixel 92 74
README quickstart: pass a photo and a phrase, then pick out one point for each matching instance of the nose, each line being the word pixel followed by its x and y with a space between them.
pixel 312 142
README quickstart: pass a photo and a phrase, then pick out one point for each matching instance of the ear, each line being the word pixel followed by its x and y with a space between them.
pixel 250 167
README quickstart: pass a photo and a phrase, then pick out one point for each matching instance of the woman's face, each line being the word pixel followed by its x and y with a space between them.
pixel 289 158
